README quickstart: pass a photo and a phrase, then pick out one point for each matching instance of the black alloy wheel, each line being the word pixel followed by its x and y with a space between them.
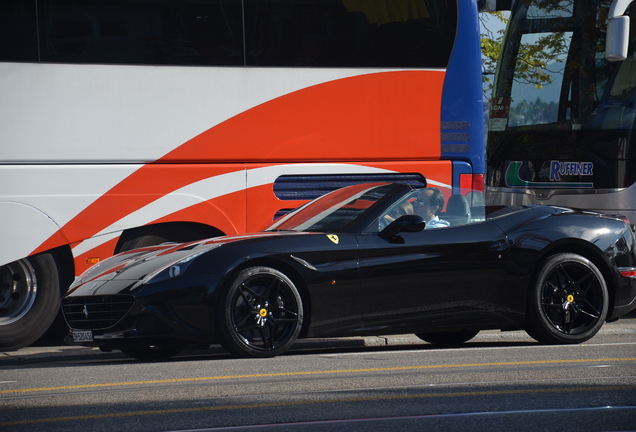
pixel 260 313
pixel 448 338
pixel 568 300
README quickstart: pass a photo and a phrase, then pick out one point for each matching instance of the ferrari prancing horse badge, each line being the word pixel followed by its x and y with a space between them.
pixel 333 238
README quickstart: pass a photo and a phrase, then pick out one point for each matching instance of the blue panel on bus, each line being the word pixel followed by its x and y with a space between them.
pixel 462 103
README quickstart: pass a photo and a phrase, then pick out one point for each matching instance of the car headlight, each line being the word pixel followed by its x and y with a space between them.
pixel 175 269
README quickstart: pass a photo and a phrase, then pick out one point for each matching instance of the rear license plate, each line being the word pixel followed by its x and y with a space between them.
pixel 83 336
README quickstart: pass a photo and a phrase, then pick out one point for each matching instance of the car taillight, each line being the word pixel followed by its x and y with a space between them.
pixel 628 272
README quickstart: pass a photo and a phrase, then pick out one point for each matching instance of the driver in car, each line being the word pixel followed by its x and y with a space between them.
pixel 429 203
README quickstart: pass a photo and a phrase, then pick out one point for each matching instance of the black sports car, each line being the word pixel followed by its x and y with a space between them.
pixel 361 261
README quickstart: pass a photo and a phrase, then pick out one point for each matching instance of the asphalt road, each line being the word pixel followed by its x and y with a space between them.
pixel 493 383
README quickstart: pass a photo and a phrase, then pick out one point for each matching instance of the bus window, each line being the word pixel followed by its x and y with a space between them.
pixel 552 9
pixel 288 33
pixel 137 32
pixel 349 33
pixel 18 41
pixel 531 104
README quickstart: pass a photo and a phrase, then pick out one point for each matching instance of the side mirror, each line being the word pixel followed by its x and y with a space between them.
pixel 407 223
pixel 617 38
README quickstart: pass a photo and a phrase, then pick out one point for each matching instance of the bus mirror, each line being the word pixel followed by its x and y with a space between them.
pixel 617 39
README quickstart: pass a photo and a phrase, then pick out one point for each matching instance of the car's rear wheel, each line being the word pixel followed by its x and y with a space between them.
pixel 448 338
pixel 152 352
pixel 29 300
pixel 260 313
pixel 568 301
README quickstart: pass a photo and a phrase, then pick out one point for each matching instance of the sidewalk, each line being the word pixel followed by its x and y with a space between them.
pixel 45 354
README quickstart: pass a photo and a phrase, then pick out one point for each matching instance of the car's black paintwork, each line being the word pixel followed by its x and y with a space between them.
pixel 475 276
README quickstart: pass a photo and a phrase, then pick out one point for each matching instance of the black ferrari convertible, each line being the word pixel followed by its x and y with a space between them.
pixel 369 259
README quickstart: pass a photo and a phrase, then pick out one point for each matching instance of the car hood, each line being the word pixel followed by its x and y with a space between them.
pixel 144 263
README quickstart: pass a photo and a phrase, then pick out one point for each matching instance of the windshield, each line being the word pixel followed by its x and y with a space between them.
pixel 562 116
pixel 438 208
pixel 554 71
pixel 336 210
pixel 375 206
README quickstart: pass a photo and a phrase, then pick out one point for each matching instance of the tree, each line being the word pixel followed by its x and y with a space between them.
pixel 491 41
pixel 537 62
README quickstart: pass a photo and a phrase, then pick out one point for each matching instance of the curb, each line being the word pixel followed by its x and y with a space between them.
pixel 35 355
pixel 47 354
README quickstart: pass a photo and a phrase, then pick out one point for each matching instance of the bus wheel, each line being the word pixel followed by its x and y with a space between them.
pixel 29 300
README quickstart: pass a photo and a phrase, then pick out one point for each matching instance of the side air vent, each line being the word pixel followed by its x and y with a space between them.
pixel 308 187
pixel 453 139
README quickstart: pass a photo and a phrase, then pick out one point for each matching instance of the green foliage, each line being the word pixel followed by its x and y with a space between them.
pixel 537 62
pixel 533 113
pixel 491 46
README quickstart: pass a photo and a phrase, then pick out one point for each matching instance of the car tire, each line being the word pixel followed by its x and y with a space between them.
pixel 260 313
pixel 568 300
pixel 29 300
pixel 448 338
pixel 152 353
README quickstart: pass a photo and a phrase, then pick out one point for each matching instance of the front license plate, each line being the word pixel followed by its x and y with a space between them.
pixel 83 336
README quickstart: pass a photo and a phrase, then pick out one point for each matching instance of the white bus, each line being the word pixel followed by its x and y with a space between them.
pixel 126 123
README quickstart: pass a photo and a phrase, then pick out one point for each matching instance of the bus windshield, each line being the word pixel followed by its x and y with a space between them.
pixel 561 128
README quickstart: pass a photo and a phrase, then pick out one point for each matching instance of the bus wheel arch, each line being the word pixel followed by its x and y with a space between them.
pixel 168 232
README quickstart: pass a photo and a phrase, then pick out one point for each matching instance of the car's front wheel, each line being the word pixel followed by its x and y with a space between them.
pixel 260 313
pixel 568 301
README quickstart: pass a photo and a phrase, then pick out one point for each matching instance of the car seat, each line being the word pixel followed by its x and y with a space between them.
pixel 457 210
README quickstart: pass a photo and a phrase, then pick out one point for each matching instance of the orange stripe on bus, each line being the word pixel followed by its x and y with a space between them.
pixel 142 187
pixel 379 116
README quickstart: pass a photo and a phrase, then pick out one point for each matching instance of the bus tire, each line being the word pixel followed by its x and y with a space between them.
pixel 29 300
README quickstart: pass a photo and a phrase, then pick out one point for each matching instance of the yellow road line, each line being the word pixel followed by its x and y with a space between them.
pixel 312 402
pixel 308 373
